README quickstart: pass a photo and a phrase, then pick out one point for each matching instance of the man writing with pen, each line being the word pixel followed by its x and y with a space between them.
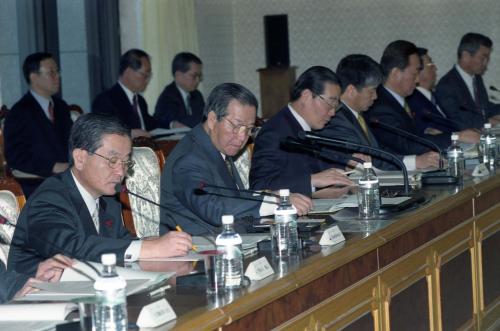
pixel 77 214
pixel 204 159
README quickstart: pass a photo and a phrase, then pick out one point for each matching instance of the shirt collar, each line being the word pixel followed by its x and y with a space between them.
pixel 396 96
pixel 302 122
pixel 89 200
pixel 42 101
pixel 425 92
pixel 465 76
pixel 183 93
pixel 130 94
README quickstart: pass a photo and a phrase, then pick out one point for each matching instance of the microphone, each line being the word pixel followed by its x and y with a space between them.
pixel 199 191
pixel 261 193
pixel 119 188
pixel 360 148
pixel 412 137
pixel 301 145
pixel 450 124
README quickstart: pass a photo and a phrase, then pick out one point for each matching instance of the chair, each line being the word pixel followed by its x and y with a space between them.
pixel 145 180
pixel 75 111
pixel 9 211
pixel 242 162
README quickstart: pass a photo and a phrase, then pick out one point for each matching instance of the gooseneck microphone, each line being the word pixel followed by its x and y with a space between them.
pixel 301 145
pixel 411 137
pixel 261 193
pixel 199 191
pixel 119 188
pixel 359 148
pixel 446 122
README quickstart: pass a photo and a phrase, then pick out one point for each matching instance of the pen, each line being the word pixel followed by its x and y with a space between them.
pixel 178 228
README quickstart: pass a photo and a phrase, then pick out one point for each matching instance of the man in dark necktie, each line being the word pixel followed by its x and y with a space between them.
pixel 359 77
pixel 461 92
pixel 429 117
pixel 204 157
pixel 124 99
pixel 181 104
pixel 37 127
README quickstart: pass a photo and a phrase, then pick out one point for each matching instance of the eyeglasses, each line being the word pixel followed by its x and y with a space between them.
pixel 50 73
pixel 241 128
pixel 146 75
pixel 332 102
pixel 114 162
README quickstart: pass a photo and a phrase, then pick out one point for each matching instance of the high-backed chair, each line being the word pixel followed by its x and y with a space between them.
pixel 242 162
pixel 9 211
pixel 144 180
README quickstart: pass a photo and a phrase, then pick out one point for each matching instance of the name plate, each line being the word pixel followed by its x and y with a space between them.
pixel 331 236
pixel 259 269
pixel 155 314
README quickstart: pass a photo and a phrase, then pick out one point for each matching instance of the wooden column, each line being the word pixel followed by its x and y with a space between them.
pixel 275 87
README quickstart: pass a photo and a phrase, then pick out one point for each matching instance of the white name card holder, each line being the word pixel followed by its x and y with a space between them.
pixel 155 314
pixel 331 236
pixel 259 269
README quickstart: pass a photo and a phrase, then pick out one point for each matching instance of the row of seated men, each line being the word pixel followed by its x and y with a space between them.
pixel 38 146
pixel 76 213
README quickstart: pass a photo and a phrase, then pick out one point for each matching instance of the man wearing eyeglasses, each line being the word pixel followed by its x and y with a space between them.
pixel 124 99
pixel 37 127
pixel 315 98
pixel 204 159
pixel 77 212
pixel 181 104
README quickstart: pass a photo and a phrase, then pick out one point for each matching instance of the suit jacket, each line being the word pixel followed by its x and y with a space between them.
pixel 195 161
pixel 388 110
pixel 458 104
pixel 115 102
pixel 275 168
pixel 344 125
pixel 171 107
pixel 426 115
pixel 56 220
pixel 10 283
pixel 32 142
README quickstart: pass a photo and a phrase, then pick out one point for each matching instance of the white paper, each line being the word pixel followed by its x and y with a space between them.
pixel 36 312
pixel 250 241
pixel 191 256
pixel 29 325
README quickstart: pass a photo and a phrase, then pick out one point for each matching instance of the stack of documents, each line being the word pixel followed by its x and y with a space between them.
pixel 34 317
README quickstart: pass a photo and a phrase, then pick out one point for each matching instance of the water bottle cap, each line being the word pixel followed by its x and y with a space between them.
pixel 227 219
pixel 454 137
pixel 487 125
pixel 285 192
pixel 367 165
pixel 108 259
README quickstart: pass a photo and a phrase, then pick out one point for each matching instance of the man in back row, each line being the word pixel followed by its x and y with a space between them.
pixel 77 212
pixel 181 104
pixel 204 159
pixel 461 92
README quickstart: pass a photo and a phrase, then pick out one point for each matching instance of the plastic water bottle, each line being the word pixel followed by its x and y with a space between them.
pixel 456 160
pixel 110 312
pixel 368 193
pixel 488 147
pixel 285 217
pixel 229 242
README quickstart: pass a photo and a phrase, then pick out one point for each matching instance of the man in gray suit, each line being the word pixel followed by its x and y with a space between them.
pixel 359 78
pixel 204 158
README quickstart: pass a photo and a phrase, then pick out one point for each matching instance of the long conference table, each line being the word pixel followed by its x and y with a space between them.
pixel 436 267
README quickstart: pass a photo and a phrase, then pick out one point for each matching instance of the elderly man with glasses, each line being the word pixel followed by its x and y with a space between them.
pixel 199 183
pixel 77 213
pixel 315 98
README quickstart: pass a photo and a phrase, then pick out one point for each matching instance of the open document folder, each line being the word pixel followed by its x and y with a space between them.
pixel 78 282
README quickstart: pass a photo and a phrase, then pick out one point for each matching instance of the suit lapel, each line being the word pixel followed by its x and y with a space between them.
pixel 126 107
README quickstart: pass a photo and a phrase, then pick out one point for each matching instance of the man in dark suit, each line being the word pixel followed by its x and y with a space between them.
pixel 428 115
pixel 314 100
pixel 37 127
pixel 123 100
pixel 461 92
pixel 77 212
pixel 181 104
pixel 359 78
pixel 400 64
pixel 13 284
pixel 204 157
